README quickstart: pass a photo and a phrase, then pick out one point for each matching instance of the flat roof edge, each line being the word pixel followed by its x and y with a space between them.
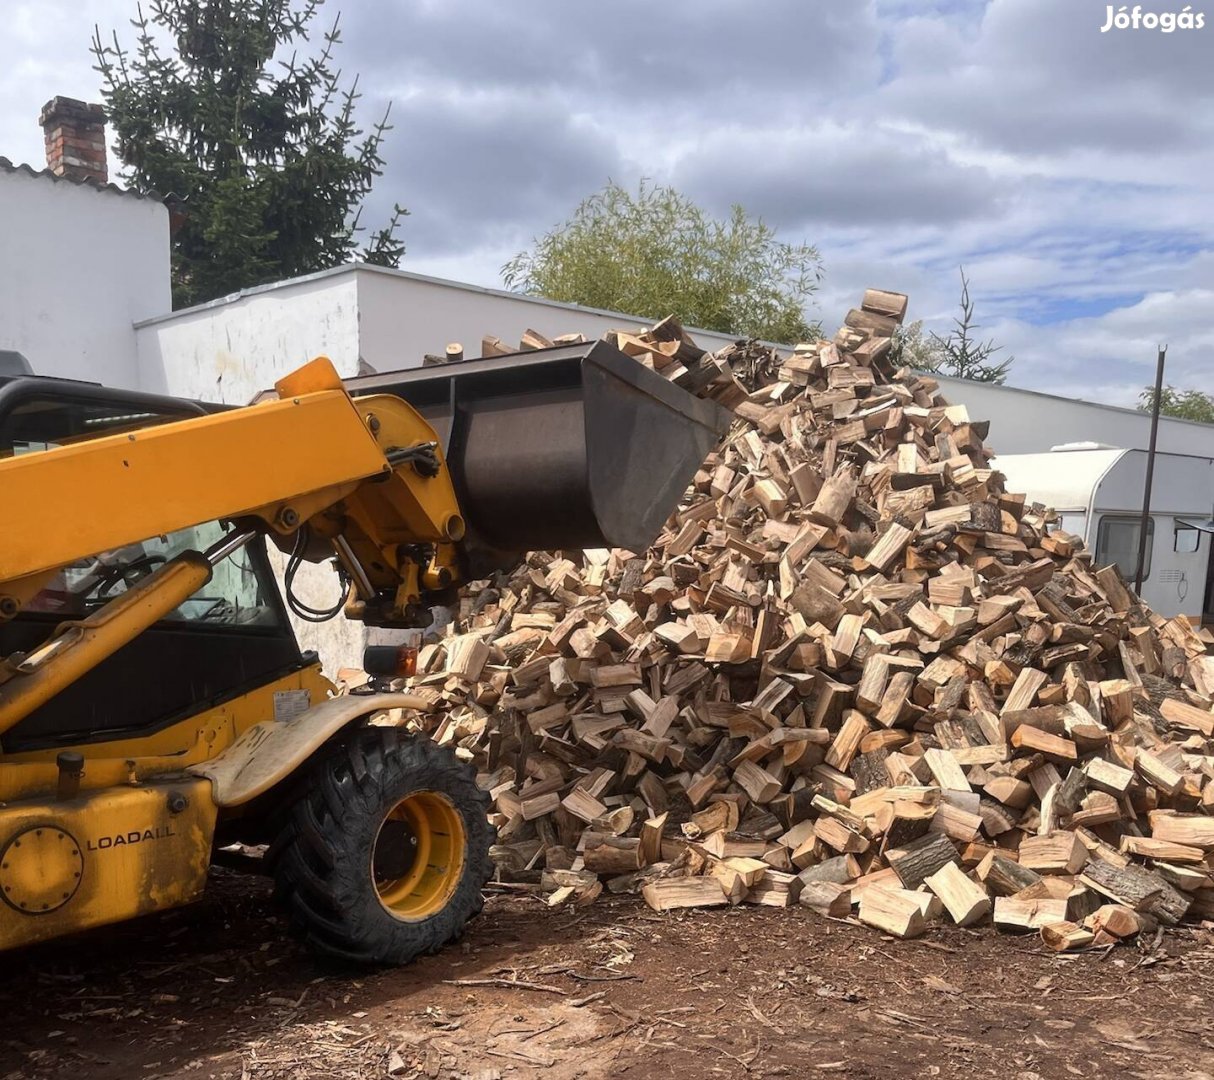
pixel 427 279
pixel 953 381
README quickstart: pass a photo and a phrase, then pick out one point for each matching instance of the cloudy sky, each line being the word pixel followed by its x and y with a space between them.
pixel 1071 171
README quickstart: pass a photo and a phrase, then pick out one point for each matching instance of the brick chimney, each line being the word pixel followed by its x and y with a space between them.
pixel 75 139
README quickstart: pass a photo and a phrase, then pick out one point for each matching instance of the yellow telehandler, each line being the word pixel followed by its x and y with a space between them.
pixel 155 706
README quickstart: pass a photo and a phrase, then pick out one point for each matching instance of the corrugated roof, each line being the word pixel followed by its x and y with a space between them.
pixel 9 167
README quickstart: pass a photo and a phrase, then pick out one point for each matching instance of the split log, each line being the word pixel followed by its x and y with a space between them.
pixel 1011 913
pixel 1004 876
pixel 1194 830
pixel 921 858
pixel 826 898
pixel 1116 919
pixel 611 855
pixel 893 911
pixel 670 893
pixel 1066 936
pixel 965 900
pixel 774 889
pixel 1137 888
pixel 1057 853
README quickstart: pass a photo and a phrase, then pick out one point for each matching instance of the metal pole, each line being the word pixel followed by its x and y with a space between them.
pixel 1146 494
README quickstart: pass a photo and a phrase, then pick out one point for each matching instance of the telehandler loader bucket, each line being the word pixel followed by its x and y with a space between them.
pixel 577 446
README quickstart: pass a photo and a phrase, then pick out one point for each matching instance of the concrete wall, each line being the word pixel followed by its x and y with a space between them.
pixel 231 349
pixel 403 316
pixel 1027 422
pixel 78 267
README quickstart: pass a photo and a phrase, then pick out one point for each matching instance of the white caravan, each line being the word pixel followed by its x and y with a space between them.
pixel 1097 491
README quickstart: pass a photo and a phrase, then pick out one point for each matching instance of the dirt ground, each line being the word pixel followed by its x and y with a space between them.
pixel 218 991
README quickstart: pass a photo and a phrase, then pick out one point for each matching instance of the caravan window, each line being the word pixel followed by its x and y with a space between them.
pixel 1117 542
pixel 1186 539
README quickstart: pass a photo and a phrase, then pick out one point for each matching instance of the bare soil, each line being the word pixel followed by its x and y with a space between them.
pixel 220 991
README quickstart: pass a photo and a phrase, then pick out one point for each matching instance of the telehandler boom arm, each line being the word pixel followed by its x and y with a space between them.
pixel 368 476
pixel 309 457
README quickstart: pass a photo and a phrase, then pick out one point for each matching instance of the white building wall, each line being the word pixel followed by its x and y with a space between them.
pixel 230 349
pixel 1028 422
pixel 404 316
pixel 234 347
pixel 78 267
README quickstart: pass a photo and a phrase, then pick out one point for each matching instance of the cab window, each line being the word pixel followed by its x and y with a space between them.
pixel 233 597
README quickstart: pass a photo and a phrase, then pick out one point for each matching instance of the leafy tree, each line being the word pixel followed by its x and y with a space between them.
pixel 264 155
pixel 1184 404
pixel 961 354
pixel 656 252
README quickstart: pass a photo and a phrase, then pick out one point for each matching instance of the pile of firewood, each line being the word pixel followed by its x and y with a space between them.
pixel 853 672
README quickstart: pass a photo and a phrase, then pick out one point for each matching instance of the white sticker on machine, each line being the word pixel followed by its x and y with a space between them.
pixel 288 704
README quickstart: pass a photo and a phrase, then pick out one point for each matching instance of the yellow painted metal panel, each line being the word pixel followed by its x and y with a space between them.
pixel 410 507
pixel 102 857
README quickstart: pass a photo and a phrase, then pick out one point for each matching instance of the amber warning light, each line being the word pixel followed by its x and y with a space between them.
pixel 390 661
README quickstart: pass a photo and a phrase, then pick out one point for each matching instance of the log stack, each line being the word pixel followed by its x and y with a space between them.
pixel 853 672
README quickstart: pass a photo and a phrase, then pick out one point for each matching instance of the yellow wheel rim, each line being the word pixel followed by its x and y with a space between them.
pixel 418 856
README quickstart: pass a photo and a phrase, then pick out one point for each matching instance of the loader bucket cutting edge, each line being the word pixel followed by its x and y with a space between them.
pixel 572 447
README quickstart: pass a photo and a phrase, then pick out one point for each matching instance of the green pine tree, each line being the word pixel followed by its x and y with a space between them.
pixel 252 134
pixel 961 354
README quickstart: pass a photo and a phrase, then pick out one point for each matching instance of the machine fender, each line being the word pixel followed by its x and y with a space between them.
pixel 270 751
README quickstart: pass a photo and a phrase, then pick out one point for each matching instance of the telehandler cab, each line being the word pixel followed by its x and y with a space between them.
pixel 154 704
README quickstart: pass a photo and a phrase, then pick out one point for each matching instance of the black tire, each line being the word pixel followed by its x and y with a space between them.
pixel 322 855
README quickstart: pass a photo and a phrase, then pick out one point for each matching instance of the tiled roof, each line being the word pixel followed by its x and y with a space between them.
pixel 8 167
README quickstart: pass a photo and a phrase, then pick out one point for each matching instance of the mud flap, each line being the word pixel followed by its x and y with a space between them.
pixel 270 751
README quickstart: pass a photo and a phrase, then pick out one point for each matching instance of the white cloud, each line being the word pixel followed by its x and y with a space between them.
pixel 1070 171
pixel 44 52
